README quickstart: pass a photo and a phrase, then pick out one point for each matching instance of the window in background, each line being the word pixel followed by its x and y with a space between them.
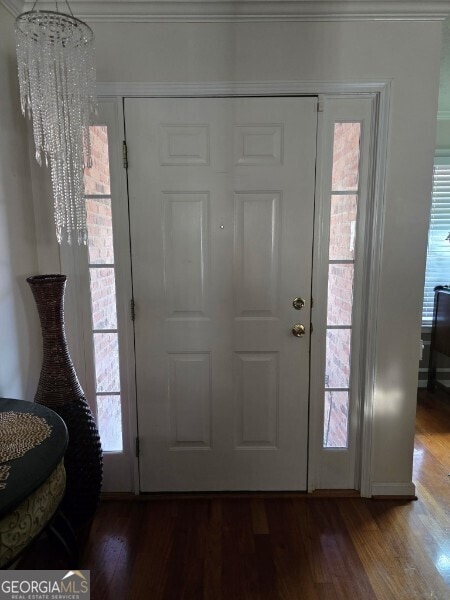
pixel 438 253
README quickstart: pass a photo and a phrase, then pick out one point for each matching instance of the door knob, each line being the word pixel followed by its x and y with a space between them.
pixel 298 303
pixel 298 330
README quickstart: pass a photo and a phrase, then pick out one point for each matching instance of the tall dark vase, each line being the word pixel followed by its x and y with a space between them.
pixel 60 390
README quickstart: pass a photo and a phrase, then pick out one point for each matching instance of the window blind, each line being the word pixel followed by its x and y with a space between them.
pixel 438 253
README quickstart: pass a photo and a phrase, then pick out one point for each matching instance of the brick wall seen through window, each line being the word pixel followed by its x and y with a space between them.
pixel 343 218
pixel 103 293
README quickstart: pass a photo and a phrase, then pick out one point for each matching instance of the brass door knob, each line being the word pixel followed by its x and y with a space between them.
pixel 298 330
pixel 298 303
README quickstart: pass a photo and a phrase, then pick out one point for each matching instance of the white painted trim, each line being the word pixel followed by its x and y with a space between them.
pixel 382 89
pixel 316 418
pixel 342 90
pixel 120 472
pixel 124 287
pixel 156 11
pixel 238 88
pixel 328 467
pixel 393 489
pixel 374 245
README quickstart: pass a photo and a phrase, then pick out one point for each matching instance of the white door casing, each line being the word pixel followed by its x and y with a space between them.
pixel 221 216
pixel 342 467
pixel 318 459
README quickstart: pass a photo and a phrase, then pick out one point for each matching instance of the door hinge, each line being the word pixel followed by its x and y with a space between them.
pixel 137 447
pixel 319 105
pixel 132 310
pixel 125 155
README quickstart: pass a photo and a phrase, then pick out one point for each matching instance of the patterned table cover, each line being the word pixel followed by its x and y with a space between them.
pixel 34 483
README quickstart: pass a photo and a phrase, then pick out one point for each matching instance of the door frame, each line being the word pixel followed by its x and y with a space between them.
pixel 380 91
pixel 330 467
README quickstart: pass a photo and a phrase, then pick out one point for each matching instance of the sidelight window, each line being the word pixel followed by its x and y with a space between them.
pixel 341 269
pixel 102 285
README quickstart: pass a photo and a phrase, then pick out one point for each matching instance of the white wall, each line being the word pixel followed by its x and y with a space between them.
pixel 20 337
pixel 407 53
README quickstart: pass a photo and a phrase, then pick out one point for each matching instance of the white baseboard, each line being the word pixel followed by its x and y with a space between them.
pixel 394 489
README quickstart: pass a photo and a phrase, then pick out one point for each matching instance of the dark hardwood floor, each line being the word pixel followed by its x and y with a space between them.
pixel 286 548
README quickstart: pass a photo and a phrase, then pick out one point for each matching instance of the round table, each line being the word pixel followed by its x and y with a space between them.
pixel 35 483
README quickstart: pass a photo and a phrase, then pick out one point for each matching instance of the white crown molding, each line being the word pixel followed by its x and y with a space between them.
pixel 154 11
pixel 231 88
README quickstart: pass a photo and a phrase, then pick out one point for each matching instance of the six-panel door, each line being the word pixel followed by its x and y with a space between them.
pixel 221 210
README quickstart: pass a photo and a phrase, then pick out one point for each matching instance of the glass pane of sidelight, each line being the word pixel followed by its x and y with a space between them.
pixel 100 232
pixel 343 227
pixel 335 427
pixel 109 415
pixel 103 292
pixel 346 156
pixel 341 271
pixel 96 178
pixel 103 298
pixel 337 373
pixel 340 294
pixel 106 351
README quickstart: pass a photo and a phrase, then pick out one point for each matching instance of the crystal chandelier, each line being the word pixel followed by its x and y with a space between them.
pixel 57 80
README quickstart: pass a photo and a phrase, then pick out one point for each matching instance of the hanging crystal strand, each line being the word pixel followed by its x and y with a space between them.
pixel 84 118
pixel 75 132
pixel 35 98
pixel 62 200
pixel 57 211
pixel 66 144
pixel 48 91
pixel 56 78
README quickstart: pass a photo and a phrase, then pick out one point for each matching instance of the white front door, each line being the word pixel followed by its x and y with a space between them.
pixel 221 214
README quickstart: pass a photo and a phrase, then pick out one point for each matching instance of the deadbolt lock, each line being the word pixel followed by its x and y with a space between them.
pixel 298 303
